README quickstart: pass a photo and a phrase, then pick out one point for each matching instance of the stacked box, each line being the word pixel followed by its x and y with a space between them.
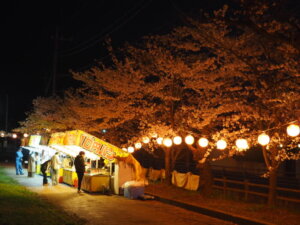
pixel 133 192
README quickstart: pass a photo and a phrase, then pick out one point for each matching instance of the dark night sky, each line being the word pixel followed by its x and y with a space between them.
pixel 27 43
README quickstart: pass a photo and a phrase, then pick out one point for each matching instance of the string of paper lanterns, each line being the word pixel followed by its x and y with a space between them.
pixel 263 139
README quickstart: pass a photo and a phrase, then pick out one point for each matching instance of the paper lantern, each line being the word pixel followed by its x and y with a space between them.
pixel 138 145
pixel 167 142
pixel 263 139
pixel 14 136
pixel 146 140
pixel 177 140
pixel 130 149
pixel 159 140
pixel 189 140
pixel 241 144
pixel 293 130
pixel 221 144
pixel 203 142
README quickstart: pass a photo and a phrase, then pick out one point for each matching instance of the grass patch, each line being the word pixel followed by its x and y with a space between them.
pixel 20 206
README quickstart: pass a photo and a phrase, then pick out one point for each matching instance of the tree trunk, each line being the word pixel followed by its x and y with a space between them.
pixel 168 166
pixel 206 178
pixel 272 187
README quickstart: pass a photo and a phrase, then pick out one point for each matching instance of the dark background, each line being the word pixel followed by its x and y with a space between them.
pixel 28 31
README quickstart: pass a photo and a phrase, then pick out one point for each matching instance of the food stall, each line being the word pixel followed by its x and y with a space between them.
pixel 96 179
pixel 38 143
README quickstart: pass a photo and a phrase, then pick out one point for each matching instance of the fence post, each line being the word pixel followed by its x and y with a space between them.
pixel 246 185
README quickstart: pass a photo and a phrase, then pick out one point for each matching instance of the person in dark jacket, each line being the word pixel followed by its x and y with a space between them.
pixel 45 168
pixel 80 168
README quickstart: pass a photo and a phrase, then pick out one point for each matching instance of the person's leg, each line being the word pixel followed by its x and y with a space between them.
pixel 17 168
pixel 80 176
pixel 20 168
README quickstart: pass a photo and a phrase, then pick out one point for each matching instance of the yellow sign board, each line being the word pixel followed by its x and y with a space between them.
pixel 87 142
pixel 34 140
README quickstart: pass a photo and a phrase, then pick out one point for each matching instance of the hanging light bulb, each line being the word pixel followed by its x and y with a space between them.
pixel 241 144
pixel 159 140
pixel 293 130
pixel 2 134
pixel 25 135
pixel 203 142
pixel 189 140
pixel 221 144
pixel 130 149
pixel 167 142
pixel 177 140
pixel 263 139
pixel 146 140
pixel 138 145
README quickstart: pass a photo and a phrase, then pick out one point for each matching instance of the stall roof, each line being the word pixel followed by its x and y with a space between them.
pixel 77 140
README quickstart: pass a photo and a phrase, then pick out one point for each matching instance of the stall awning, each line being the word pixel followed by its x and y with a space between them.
pixel 34 145
pixel 77 140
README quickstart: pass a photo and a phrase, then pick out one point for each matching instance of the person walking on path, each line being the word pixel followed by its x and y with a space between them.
pixel 19 158
pixel 55 166
pixel 32 164
pixel 80 168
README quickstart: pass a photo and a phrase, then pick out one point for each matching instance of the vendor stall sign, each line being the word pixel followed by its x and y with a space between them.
pixel 92 144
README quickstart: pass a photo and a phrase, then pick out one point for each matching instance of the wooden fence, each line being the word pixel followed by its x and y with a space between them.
pixel 246 188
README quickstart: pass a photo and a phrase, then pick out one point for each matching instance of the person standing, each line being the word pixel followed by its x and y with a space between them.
pixel 80 168
pixel 45 166
pixel 32 164
pixel 19 157
pixel 55 166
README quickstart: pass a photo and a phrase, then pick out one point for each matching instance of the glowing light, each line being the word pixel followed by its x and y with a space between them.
pixel 263 139
pixel 130 149
pixel 177 140
pixel 167 142
pixel 293 130
pixel 221 144
pixel 25 135
pixel 189 139
pixel 138 145
pixel 242 144
pixel 154 135
pixel 124 149
pixel 2 134
pixel 14 136
pixel 146 140
pixel 203 142
pixel 298 145
pixel 159 140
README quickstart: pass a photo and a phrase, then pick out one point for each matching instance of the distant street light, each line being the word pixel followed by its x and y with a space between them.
pixel 263 139
pixel 203 142
pixel 293 130
pixel 177 140
pixel 167 142
pixel 221 144
pixel 189 140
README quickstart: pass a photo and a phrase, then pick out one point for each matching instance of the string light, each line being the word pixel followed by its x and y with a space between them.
pixel 221 144
pixel 293 130
pixel 263 139
pixel 130 149
pixel 177 140
pixel 203 142
pixel 189 140
pixel 159 140
pixel 167 142
pixel 138 145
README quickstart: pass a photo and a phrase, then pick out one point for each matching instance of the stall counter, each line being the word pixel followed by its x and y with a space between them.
pixel 70 177
pixel 95 183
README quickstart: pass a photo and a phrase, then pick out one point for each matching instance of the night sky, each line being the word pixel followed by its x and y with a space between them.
pixel 28 37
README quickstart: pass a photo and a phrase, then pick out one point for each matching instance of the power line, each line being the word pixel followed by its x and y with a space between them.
pixel 94 40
